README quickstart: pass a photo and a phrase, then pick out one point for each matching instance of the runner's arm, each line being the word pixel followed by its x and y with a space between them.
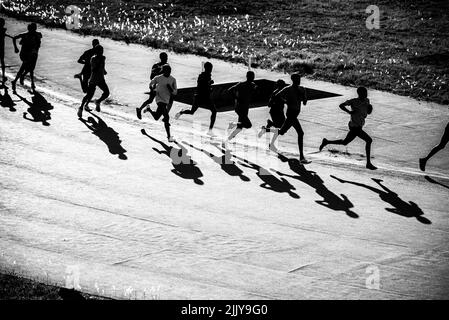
pixel 85 57
pixel 173 89
pixel 153 83
pixel 39 40
pixel 233 88
pixel 155 70
pixel 304 101
pixel 14 41
pixel 370 108
pixel 281 94
pixel 271 100
pixel 344 105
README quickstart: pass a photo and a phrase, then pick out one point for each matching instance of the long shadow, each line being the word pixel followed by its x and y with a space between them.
pixel 106 134
pixel 269 181
pixel 6 101
pixel 39 108
pixel 183 165
pixel 400 207
pixel 436 182
pixel 311 178
pixel 225 162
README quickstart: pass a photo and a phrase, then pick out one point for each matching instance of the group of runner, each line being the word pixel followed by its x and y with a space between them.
pixel 30 42
pixel 163 88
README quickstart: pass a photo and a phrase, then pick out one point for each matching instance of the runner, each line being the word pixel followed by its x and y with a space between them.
pixel 166 88
pixel 84 75
pixel 3 34
pixel 276 105
pixel 202 96
pixel 243 92
pixel 96 79
pixel 31 42
pixel 156 70
pixel 293 95
pixel 360 109
pixel 437 148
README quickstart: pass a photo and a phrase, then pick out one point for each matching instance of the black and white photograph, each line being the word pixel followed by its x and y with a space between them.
pixel 251 151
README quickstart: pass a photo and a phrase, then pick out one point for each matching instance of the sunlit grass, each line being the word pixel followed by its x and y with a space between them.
pixel 327 37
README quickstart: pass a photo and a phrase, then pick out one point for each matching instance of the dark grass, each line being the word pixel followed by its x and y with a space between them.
pixel 16 288
pixel 327 39
pixel 13 287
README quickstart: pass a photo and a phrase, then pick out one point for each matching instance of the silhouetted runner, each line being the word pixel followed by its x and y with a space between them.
pixel 243 93
pixel 84 75
pixel 30 42
pixel 276 105
pixel 360 109
pixel 443 142
pixel 202 96
pixel 96 79
pixel 166 88
pixel 293 95
pixel 3 35
pixel 156 70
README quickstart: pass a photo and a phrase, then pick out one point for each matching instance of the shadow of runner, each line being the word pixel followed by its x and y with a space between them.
pixel 106 134
pixel 311 178
pixel 39 108
pixel 225 162
pixel 6 101
pixel 183 165
pixel 436 182
pixel 270 182
pixel 400 207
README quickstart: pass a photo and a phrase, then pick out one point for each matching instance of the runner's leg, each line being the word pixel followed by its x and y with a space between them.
pixel 159 111
pixel 19 74
pixel 190 111
pixel 300 133
pixel 104 87
pixel 84 81
pixel 440 146
pixel 364 136
pixel 89 94
pixel 213 116
pixel 349 138
pixel 2 61
pixel 285 127
pixel 166 120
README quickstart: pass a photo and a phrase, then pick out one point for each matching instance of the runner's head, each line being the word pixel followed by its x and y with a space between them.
pixel 208 67
pixel 280 84
pixel 99 50
pixel 296 79
pixel 164 57
pixel 166 70
pixel 362 92
pixel 32 27
pixel 250 76
pixel 95 43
